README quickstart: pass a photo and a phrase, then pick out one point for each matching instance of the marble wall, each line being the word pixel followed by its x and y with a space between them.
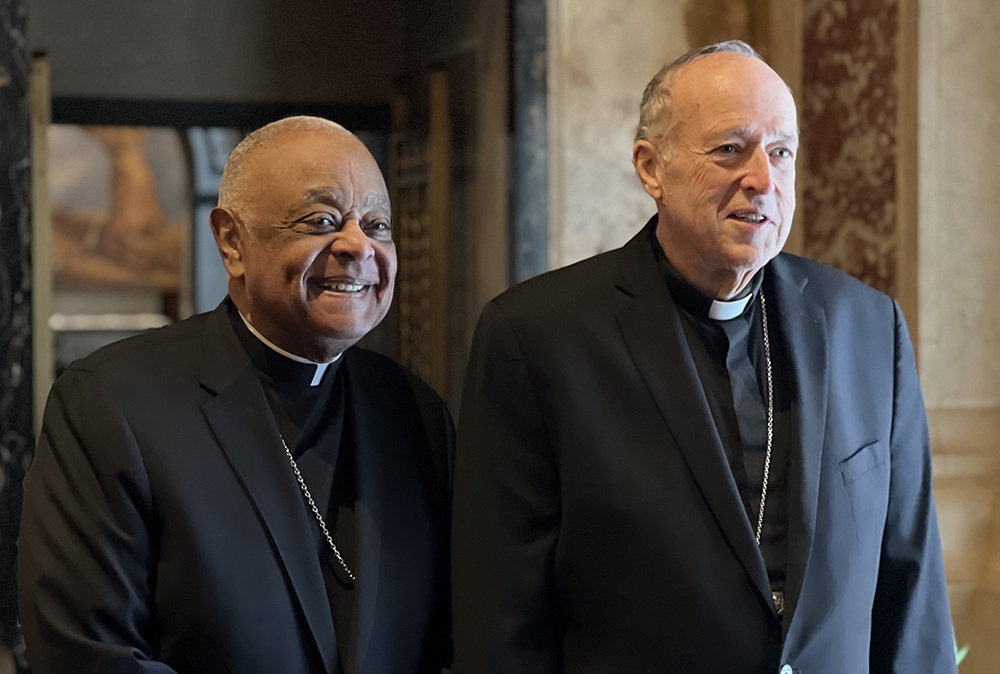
pixel 601 55
pixel 15 302
pixel 849 127
pixel 959 275
pixel 960 202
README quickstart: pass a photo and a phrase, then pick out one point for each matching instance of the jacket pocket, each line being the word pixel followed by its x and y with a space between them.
pixel 863 461
pixel 866 483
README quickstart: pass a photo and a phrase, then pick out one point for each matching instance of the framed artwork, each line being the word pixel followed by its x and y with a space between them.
pixel 121 207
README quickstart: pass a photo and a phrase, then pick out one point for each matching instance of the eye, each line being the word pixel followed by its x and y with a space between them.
pixel 321 222
pixel 728 148
pixel 782 153
pixel 378 229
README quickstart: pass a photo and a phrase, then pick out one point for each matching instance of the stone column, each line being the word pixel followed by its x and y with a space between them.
pixel 529 151
pixel 15 302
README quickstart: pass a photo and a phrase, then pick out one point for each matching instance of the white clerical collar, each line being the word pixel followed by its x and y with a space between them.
pixel 320 367
pixel 724 311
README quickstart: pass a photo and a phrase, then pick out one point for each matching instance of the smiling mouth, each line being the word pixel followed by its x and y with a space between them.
pixel 752 218
pixel 342 286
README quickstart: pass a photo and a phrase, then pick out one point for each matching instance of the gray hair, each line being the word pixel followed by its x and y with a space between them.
pixel 654 111
pixel 234 189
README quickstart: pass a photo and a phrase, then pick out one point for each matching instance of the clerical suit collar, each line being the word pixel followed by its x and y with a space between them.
pixel 281 366
pixel 693 300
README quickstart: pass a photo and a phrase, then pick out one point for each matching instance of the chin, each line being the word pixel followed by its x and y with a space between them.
pixel 344 330
pixel 744 256
pixel 342 334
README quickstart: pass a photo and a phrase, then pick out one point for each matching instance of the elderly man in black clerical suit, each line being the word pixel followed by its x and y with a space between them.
pixel 246 491
pixel 693 454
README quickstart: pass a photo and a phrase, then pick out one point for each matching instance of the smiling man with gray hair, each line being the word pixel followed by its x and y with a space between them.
pixel 247 491
pixel 693 453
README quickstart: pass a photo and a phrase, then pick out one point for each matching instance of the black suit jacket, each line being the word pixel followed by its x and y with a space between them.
pixel 597 525
pixel 164 531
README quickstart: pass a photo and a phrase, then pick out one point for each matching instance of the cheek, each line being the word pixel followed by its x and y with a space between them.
pixel 786 191
pixel 297 261
pixel 790 196
pixel 705 183
pixel 717 192
pixel 268 271
pixel 385 258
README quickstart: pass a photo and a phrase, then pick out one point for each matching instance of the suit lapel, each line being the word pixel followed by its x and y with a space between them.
pixel 805 335
pixel 655 339
pixel 245 429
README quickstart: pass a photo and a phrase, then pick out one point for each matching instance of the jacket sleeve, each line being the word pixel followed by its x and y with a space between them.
pixel 911 620
pixel 506 515
pixel 438 649
pixel 86 553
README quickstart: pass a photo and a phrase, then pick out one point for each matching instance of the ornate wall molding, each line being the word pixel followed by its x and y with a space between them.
pixel 15 299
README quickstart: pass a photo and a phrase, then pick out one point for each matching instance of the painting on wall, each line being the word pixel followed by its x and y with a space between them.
pixel 121 207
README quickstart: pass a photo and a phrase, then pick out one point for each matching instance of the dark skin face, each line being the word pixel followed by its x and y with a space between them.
pixel 311 263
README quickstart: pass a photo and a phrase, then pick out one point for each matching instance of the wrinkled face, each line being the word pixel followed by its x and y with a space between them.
pixel 317 250
pixel 728 186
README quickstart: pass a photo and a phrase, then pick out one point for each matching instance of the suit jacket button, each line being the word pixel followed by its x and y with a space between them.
pixel 787 669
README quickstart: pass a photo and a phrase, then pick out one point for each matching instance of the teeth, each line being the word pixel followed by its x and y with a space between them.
pixel 749 217
pixel 344 287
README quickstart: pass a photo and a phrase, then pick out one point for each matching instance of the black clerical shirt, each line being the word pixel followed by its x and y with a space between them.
pixel 730 360
pixel 310 419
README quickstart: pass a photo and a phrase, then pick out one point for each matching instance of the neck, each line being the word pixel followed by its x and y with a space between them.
pixel 284 352
pixel 718 284
pixel 318 350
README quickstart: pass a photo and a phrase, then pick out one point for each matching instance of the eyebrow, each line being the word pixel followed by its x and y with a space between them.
pixel 743 131
pixel 336 198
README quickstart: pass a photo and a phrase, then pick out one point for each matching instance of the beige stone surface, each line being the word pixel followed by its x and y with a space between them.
pixel 967 488
pixel 959 236
pixel 959 277
pixel 601 56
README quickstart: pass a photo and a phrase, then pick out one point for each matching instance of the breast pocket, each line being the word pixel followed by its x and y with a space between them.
pixel 866 479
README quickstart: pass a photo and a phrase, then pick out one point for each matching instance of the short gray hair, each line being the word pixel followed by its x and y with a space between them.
pixel 234 189
pixel 654 111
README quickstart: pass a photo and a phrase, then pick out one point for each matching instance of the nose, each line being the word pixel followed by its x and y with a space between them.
pixel 757 176
pixel 351 243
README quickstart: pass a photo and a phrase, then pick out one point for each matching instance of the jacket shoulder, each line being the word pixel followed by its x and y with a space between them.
pixel 827 282
pixel 578 284
pixel 382 369
pixel 401 392
pixel 170 353
pixel 391 382
pixel 145 346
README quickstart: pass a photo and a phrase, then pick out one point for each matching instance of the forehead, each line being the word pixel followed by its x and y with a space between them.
pixel 304 165
pixel 732 91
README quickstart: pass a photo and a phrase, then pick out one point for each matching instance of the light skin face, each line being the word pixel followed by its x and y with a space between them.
pixel 726 194
pixel 312 263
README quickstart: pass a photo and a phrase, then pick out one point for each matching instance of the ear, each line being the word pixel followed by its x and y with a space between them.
pixel 228 231
pixel 646 161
